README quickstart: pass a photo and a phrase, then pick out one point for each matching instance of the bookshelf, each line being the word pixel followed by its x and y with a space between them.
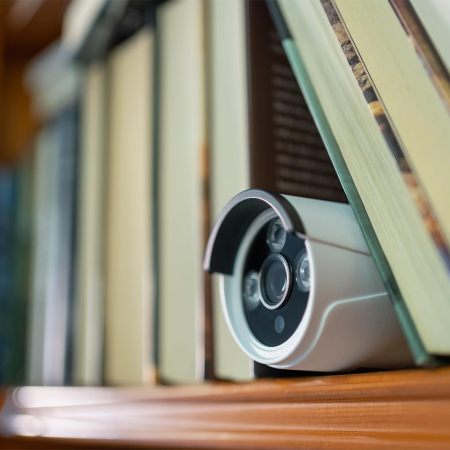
pixel 402 409
pixel 389 410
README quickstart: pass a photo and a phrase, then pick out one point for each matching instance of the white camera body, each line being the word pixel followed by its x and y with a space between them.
pixel 299 288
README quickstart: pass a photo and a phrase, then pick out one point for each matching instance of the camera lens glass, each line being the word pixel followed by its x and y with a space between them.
pixel 272 299
pixel 303 272
pixel 276 235
pixel 251 291
pixel 275 281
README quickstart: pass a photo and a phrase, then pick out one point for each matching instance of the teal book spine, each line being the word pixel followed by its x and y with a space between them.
pixel 21 268
pixel 8 203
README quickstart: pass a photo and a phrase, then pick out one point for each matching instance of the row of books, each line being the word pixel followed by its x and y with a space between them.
pixel 156 114
pixel 378 89
pixel 117 183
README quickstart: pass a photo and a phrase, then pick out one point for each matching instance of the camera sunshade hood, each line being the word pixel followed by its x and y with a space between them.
pixel 234 220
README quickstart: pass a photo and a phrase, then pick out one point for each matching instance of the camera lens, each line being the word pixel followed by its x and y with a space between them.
pixel 275 281
pixel 251 292
pixel 276 235
pixel 303 272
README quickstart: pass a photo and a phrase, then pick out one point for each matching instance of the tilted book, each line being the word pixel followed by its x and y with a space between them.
pixel 368 156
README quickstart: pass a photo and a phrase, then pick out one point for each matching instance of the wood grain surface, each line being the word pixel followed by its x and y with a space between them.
pixel 403 409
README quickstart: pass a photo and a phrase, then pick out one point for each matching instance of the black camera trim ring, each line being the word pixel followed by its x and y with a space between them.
pixel 234 221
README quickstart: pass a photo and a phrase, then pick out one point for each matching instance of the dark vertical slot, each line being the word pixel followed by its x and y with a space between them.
pixel 287 154
pixel 72 119
pixel 206 363
pixel 155 196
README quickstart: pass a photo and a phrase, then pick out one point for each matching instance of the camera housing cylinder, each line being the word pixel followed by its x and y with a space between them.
pixel 299 288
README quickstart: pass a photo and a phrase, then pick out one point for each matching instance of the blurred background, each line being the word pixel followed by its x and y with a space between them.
pixel 106 197
pixel 83 172
pixel 26 29
pixel 125 128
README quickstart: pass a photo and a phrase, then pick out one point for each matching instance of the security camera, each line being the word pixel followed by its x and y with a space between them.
pixel 299 288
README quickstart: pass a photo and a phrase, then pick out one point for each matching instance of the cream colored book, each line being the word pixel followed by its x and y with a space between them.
pixel 426 24
pixel 89 298
pixel 230 172
pixel 407 92
pixel 422 123
pixel 129 321
pixel 382 183
pixel 182 137
pixel 435 18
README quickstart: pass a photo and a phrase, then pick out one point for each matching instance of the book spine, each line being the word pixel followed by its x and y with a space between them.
pixel 411 180
pixel 421 357
pixel 8 198
pixel 425 49
pixel 21 268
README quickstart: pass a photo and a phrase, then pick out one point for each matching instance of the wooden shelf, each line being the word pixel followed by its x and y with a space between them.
pixel 405 409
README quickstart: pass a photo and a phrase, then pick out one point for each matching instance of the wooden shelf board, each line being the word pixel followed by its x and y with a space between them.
pixel 405 409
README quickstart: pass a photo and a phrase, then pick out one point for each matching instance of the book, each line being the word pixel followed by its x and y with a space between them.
pixel 334 84
pixel 62 299
pixel 40 257
pixel 434 16
pixel 51 299
pixel 129 321
pixel 428 32
pixel 8 206
pixel 182 137
pixel 55 85
pixel 420 119
pixel 18 314
pixel 89 287
pixel 230 173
